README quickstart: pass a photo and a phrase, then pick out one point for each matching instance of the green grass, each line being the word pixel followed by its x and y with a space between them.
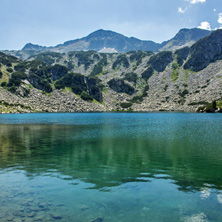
pixel 105 90
pixel 175 73
pixel 163 80
pixel 186 76
pixel 219 104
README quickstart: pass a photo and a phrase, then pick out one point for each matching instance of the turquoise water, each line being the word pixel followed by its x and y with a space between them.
pixel 95 167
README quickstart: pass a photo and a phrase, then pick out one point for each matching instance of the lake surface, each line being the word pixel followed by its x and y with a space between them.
pixel 95 167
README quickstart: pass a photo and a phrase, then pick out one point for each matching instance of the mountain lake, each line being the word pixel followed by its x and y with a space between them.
pixel 108 167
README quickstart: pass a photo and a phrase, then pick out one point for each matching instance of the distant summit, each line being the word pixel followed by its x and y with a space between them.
pixel 107 41
pixel 101 39
pixel 31 46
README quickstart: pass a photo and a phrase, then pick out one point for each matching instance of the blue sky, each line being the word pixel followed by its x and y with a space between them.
pixel 51 22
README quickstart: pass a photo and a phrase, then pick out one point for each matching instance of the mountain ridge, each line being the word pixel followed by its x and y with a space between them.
pixel 108 39
pixel 137 80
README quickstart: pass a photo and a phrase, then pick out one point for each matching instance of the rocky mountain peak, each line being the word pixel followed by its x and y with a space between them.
pixel 30 46
pixel 185 37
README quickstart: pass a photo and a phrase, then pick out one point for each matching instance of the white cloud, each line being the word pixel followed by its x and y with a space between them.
pixel 215 10
pixel 220 19
pixel 180 10
pixel 204 25
pixel 196 1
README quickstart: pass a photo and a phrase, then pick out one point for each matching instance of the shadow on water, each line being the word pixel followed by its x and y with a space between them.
pixel 113 153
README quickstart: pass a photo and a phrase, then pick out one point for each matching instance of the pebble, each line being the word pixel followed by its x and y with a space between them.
pixel 56 216
pixel 32 214
pixel 98 219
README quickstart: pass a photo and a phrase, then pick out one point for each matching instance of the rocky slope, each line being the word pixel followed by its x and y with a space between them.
pixel 135 81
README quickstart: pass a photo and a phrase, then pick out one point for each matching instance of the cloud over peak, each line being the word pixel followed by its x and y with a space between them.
pixel 220 20
pixel 204 25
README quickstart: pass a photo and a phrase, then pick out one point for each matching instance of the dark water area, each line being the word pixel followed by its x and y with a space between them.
pixel 94 167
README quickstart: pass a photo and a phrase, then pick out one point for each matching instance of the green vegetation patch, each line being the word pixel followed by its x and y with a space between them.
pixel 198 103
pixel 79 84
pixel 181 55
pixel 85 96
pixel 139 98
pixel 121 61
pixel 131 77
pixel 7 60
pixel 49 57
pixel 208 108
pixel 84 58
pixel 138 56
pixel 118 85
pixel 3 84
pixel 40 83
pixel 175 72
pixel 98 68
pixel 148 73
pixel 160 61
pixel 16 79
pixel 10 70
pixel 126 105
pixel 184 93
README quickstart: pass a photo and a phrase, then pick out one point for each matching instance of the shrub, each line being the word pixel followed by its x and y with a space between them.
pixel 126 105
pixel 209 108
pixel 76 89
pixel 9 70
pixel 97 69
pixel 12 89
pixel 16 79
pixel 137 99
pixel 85 96
pixel 118 85
pixel 147 73
pixel 3 84
pixel 184 93
pixel 131 77
pixel 84 58
pixel 49 57
pixel 182 55
pixel 198 103
pixel 175 73
pixel 20 67
pixel 121 60
pixel 138 56
pixel 59 84
pixel 19 75
pixel 47 87
pixel 160 61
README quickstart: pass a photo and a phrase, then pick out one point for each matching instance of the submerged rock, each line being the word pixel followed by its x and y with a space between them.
pixel 56 216
pixel 98 219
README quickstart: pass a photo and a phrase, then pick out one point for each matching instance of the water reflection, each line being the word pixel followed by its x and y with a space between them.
pixel 104 157
pixel 106 167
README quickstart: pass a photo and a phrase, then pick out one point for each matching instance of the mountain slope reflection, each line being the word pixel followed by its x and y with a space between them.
pixel 96 155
